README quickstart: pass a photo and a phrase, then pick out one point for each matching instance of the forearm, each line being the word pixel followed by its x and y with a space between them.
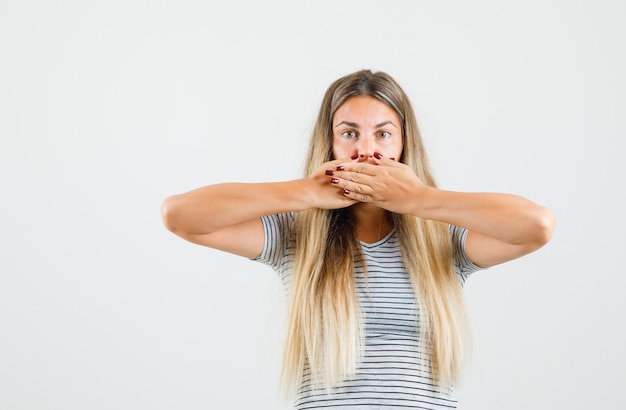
pixel 509 218
pixel 211 208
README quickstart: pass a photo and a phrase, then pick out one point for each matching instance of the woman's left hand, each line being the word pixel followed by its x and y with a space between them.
pixel 381 181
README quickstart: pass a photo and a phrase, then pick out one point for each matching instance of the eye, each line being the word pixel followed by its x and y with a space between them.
pixel 348 134
pixel 384 134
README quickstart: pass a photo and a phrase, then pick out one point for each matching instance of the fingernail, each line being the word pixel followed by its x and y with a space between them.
pixel 329 172
pixel 345 191
pixel 334 181
pixel 393 159
pixel 355 156
pixel 378 155
pixel 340 168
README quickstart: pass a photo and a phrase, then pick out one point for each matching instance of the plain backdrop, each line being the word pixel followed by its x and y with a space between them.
pixel 108 107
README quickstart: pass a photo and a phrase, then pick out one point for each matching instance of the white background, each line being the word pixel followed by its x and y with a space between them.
pixel 108 107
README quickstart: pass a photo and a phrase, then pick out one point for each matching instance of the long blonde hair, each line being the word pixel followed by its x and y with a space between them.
pixel 324 325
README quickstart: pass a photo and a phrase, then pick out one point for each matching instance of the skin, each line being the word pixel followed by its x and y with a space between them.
pixel 366 138
pixel 364 130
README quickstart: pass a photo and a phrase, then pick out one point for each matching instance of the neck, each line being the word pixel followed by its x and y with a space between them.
pixel 372 222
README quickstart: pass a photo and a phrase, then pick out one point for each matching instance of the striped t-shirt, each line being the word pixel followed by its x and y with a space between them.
pixel 392 373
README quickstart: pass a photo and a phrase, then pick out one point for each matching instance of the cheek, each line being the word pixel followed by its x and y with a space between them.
pixel 342 150
pixel 398 148
pixel 392 149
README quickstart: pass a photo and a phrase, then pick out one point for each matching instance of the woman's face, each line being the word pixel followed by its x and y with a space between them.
pixel 362 126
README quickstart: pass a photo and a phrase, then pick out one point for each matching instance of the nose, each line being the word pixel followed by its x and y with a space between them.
pixel 365 148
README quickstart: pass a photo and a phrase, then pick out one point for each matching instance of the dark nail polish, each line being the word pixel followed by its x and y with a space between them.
pixel 345 191
pixel 329 172
pixel 378 155
pixel 393 159
pixel 355 156
pixel 334 181
pixel 340 168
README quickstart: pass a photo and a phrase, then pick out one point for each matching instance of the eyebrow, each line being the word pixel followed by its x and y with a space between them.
pixel 355 125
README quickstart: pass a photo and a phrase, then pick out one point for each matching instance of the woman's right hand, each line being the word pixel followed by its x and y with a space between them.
pixel 325 194
pixel 227 216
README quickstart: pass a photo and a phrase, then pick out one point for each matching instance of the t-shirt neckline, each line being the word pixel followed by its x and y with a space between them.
pixel 379 242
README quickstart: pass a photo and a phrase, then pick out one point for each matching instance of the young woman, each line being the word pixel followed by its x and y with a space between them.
pixel 372 254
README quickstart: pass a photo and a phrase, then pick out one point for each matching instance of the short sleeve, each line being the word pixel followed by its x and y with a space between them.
pixel 462 264
pixel 279 239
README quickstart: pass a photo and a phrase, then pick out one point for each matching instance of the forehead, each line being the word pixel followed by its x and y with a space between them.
pixel 364 110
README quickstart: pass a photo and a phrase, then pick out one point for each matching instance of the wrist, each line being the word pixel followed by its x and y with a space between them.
pixel 302 194
pixel 426 202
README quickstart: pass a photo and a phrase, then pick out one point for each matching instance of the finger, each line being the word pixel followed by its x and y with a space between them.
pixel 359 190
pixel 355 179
pixel 356 196
pixel 357 167
pixel 369 167
pixel 386 161
pixel 340 161
pixel 329 167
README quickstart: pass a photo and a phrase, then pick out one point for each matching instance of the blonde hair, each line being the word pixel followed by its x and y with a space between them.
pixel 324 324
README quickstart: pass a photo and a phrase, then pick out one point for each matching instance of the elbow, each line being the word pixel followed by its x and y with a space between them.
pixel 170 214
pixel 544 224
